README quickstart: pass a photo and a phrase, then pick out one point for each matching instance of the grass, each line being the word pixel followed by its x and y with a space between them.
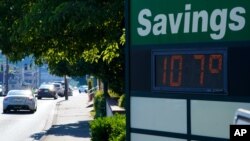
pixel 92 113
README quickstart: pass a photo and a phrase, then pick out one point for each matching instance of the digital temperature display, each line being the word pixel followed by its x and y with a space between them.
pixel 190 70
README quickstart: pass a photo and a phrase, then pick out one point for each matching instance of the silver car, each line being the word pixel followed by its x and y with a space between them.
pixel 1 90
pixel 19 100
pixel 83 88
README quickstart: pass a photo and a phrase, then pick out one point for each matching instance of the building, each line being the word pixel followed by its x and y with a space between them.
pixel 46 77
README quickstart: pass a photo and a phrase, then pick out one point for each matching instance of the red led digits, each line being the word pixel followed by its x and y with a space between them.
pixel 191 69
pixel 213 58
pixel 202 63
pixel 176 58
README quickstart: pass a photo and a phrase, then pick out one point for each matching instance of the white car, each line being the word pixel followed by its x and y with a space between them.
pixel 59 89
pixel 1 90
pixel 19 100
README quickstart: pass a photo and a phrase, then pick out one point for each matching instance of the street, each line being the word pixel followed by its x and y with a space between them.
pixel 24 126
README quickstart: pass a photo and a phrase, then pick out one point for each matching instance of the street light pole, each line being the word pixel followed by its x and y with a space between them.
pixel 7 76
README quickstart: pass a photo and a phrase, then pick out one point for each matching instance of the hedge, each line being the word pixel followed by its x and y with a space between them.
pixel 108 128
pixel 99 104
pixel 122 101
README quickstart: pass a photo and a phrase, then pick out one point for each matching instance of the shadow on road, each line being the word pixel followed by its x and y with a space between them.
pixel 18 112
pixel 37 136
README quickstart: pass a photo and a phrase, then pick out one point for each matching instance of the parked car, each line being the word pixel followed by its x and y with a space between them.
pixel 83 88
pixel 61 82
pixel 1 90
pixel 59 89
pixel 70 91
pixel 47 91
pixel 19 100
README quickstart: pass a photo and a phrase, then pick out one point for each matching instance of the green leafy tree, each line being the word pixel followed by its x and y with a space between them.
pixel 11 12
pixel 73 37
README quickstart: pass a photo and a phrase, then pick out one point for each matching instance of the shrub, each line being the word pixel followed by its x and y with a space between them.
pixel 99 129
pixel 122 101
pixel 121 137
pixel 113 94
pixel 108 128
pixel 99 104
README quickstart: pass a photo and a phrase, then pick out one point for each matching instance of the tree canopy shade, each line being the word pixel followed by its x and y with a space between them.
pixel 11 12
pixel 74 37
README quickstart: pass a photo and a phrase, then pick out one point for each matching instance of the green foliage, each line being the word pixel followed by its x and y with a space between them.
pixel 99 104
pixel 108 128
pixel 121 137
pixel 11 14
pixel 60 68
pixel 122 101
pixel 123 38
pixel 113 94
pixel 110 52
pixel 91 55
pixel 81 36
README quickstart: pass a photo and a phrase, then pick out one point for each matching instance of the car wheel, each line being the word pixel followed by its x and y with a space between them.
pixel 5 110
pixel 33 111
pixel 60 94
pixel 39 98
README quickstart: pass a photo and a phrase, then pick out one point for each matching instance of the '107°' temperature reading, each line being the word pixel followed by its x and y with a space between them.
pixel 189 70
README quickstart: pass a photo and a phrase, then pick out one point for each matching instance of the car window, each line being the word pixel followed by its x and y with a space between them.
pixel 57 85
pixel 20 92
pixel 46 87
pixel 83 86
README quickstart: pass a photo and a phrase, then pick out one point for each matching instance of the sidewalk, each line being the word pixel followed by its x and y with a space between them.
pixel 71 120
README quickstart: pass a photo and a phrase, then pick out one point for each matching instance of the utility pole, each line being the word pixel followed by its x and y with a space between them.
pixel 6 76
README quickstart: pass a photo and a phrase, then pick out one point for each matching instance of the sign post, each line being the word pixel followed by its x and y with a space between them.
pixel 187 68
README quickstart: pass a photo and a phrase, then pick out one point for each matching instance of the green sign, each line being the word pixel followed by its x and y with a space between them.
pixel 189 21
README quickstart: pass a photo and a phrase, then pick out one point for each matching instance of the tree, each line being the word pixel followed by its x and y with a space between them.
pixel 73 37
pixel 11 12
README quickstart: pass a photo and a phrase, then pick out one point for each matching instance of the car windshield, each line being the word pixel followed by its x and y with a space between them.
pixel 84 86
pixel 46 87
pixel 57 85
pixel 19 92
pixel 61 82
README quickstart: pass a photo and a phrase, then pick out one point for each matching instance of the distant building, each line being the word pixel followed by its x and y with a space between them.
pixel 46 77
pixel 25 73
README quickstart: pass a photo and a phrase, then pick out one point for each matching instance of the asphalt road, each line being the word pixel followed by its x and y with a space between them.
pixel 24 126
